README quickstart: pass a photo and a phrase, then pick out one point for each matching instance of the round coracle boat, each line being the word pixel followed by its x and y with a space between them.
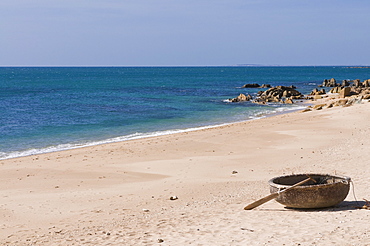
pixel 323 190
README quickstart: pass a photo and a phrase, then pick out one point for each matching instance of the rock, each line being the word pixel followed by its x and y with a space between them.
pixel 234 172
pixel 336 89
pixel 289 101
pixel 350 102
pixel 172 198
pixel 356 90
pixel 317 97
pixel 265 86
pixel 367 96
pixel 306 110
pixel 296 97
pixel 366 83
pixel 318 92
pixel 319 106
pixel 357 83
pixel 145 210
pixel 329 83
pixel 330 105
pixel 275 94
pixel 286 94
pixel 345 92
pixel 241 98
pixel 345 83
pixel 251 85
pixel 341 102
pixel 273 99
pixel 314 91
pixel 160 240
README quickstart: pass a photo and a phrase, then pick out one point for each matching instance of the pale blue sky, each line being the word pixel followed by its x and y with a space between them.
pixel 179 32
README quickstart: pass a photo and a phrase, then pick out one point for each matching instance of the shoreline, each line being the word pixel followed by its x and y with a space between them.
pixel 65 127
pixel 66 147
pixel 119 193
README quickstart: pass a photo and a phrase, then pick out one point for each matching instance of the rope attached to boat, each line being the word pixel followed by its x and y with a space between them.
pixel 353 191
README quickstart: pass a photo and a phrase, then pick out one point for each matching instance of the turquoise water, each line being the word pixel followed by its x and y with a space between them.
pixel 53 108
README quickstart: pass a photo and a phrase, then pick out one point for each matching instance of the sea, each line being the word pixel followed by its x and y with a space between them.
pixel 46 109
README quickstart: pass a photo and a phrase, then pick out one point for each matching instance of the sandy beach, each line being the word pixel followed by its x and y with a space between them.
pixel 119 194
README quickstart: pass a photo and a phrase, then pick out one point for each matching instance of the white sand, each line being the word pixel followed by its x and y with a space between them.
pixel 119 194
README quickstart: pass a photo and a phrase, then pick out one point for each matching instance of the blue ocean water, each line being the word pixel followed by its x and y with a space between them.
pixel 53 108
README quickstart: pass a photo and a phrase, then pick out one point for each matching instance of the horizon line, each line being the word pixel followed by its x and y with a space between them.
pixel 237 65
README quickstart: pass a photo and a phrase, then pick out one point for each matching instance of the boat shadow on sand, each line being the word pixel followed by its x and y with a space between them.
pixel 343 206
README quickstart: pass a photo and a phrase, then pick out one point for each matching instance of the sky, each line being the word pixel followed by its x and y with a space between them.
pixel 184 33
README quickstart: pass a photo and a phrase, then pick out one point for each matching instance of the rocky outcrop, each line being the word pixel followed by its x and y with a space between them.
pixel 349 87
pixel 330 83
pixel 241 98
pixel 319 106
pixel 289 101
pixel 282 94
pixel 350 92
pixel 265 86
pixel 254 85
pixel 251 85
pixel 345 83
pixel 366 97
pixel 365 93
pixel 317 92
pixel 356 83
pixel 336 89
pixel 345 92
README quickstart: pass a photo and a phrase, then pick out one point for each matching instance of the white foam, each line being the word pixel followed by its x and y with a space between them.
pixel 258 115
pixel 61 147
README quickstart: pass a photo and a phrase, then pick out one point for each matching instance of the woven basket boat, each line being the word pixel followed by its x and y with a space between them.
pixel 328 190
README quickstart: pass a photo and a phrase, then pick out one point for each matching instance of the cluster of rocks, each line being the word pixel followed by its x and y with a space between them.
pixel 345 89
pixel 342 91
pixel 317 92
pixel 344 102
pixel 241 98
pixel 353 83
pixel 354 89
pixel 281 94
pixel 254 85
pixel 350 92
pixel 278 94
pixel 330 83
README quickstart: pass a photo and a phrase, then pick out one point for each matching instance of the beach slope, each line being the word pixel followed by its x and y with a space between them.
pixel 191 188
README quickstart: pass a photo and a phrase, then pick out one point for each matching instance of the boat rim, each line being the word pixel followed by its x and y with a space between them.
pixel 343 179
